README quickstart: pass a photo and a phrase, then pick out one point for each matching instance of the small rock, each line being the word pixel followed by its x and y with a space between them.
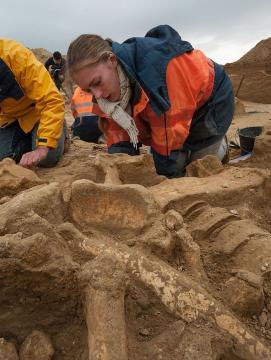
pixel 37 346
pixel 143 302
pixel 234 212
pixel 263 268
pixel 4 199
pixel 225 186
pixel 130 242
pixel 173 220
pixel 266 264
pixel 7 350
pixel 263 319
pixel 268 324
pixel 144 332
pixel 242 297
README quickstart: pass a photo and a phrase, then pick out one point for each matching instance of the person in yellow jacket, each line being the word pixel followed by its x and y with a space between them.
pixel 31 109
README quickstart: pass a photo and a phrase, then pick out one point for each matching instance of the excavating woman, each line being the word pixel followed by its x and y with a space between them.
pixel 156 90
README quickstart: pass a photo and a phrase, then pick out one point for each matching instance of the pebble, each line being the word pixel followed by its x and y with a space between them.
pixel 263 319
pixel 263 268
pixel 7 350
pixel 234 212
pixel 225 186
pixel 130 243
pixel 4 199
pixel 34 345
pixel 144 332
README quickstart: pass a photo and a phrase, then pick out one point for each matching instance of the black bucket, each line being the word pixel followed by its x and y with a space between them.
pixel 247 138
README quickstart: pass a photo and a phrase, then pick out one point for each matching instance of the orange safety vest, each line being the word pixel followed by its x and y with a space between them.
pixel 81 103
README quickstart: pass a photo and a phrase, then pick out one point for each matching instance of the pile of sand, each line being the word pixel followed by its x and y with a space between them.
pixel 41 54
pixel 251 74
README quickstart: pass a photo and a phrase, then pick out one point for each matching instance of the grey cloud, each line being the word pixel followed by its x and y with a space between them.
pixel 54 24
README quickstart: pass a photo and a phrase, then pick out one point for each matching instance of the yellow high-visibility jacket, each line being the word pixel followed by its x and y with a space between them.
pixel 28 94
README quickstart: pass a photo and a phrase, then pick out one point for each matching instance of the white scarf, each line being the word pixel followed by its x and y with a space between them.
pixel 118 110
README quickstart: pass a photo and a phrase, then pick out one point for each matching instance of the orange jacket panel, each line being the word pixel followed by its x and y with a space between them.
pixel 190 80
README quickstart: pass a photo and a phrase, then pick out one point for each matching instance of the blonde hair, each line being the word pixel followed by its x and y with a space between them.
pixel 87 50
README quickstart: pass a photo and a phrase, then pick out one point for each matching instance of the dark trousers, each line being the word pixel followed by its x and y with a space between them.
pixel 86 128
pixel 14 142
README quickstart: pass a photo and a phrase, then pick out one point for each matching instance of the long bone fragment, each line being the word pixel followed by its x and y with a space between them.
pixel 181 296
pixel 103 280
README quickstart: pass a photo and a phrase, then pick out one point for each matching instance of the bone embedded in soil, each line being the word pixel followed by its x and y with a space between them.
pixel 101 258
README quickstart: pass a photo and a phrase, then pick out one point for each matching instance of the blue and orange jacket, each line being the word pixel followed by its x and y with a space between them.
pixel 185 100
pixel 28 94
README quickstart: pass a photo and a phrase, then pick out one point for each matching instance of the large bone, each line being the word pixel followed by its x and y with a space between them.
pixel 104 283
pixel 181 296
pixel 192 255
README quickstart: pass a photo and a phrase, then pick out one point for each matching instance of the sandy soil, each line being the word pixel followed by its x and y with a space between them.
pixel 100 258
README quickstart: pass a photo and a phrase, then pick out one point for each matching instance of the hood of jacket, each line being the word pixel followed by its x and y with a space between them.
pixel 145 59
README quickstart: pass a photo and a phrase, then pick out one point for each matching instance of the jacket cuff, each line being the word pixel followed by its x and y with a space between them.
pixel 51 143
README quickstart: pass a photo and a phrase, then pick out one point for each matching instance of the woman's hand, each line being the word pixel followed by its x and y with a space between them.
pixel 32 158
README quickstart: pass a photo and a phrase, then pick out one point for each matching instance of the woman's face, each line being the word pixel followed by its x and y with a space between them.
pixel 101 80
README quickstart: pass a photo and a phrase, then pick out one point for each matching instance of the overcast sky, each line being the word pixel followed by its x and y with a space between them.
pixel 224 30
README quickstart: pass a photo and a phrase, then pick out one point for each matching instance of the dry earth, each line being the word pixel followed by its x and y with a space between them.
pixel 100 258
pixel 251 75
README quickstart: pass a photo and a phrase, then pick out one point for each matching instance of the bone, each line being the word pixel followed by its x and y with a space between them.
pixel 104 282
pixel 182 297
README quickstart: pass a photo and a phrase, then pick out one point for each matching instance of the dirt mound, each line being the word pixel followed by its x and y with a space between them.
pixel 260 55
pixel 41 54
pixel 207 166
pixel 102 258
pixel 251 74
pixel 253 86
pixel 14 178
pixel 239 107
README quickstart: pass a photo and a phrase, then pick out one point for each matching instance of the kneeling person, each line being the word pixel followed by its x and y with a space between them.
pixel 31 109
pixel 85 125
pixel 175 99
